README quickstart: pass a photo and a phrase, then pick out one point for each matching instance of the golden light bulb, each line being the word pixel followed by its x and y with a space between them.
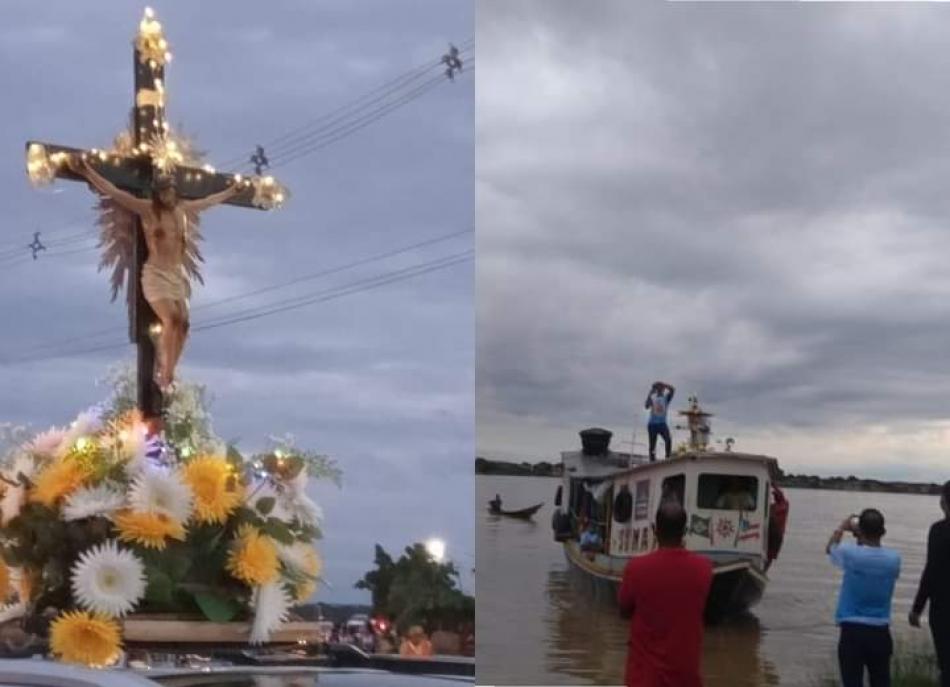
pixel 268 181
pixel 82 443
pixel 155 329
pixel 149 13
pixel 237 178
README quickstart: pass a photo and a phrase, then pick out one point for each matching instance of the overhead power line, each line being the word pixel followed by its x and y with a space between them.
pixel 270 288
pixel 330 294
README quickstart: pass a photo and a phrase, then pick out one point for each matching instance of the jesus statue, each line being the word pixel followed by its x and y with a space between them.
pixel 165 284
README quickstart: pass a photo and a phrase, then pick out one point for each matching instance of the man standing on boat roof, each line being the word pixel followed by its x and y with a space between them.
pixel 658 403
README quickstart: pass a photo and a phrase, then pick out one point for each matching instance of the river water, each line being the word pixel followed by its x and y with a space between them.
pixel 537 624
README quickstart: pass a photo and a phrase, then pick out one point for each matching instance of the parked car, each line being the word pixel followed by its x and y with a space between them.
pixel 353 669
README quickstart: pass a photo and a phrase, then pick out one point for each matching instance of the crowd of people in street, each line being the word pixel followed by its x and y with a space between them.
pixel 414 642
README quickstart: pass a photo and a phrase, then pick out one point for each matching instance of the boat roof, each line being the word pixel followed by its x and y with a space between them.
pixel 611 464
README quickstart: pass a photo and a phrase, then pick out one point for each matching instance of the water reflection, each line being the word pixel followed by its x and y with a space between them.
pixel 587 639
pixel 538 622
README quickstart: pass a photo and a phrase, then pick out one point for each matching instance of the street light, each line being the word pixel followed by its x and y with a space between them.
pixel 436 549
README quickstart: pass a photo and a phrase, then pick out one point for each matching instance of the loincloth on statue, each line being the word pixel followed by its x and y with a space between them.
pixel 162 284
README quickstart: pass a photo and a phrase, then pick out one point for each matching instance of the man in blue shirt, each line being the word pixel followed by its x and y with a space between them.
pixel 864 602
pixel 658 402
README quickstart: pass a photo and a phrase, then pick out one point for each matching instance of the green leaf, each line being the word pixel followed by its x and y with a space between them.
pixel 178 565
pixel 265 504
pixel 216 607
pixel 308 533
pixel 278 530
pixel 160 588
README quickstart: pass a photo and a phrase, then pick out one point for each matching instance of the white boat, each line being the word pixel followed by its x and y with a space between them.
pixel 726 495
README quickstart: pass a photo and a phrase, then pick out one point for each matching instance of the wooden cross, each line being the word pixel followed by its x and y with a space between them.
pixel 133 171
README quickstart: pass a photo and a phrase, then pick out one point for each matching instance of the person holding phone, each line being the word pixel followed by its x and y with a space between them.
pixel 864 601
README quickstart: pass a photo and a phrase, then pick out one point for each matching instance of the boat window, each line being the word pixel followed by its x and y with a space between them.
pixel 728 492
pixel 623 505
pixel 641 506
pixel 674 489
pixel 557 496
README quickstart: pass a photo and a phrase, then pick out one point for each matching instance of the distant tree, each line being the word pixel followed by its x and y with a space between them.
pixel 379 581
pixel 417 590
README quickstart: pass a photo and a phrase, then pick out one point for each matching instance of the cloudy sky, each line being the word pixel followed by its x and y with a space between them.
pixel 381 380
pixel 746 200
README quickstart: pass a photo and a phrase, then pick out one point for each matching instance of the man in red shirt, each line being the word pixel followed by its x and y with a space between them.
pixel 666 592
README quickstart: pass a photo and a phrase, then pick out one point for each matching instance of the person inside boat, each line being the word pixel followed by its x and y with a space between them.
pixel 733 495
pixel 658 402
pixel 590 538
pixel 495 504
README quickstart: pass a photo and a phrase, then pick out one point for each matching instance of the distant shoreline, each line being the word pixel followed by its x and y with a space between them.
pixel 484 466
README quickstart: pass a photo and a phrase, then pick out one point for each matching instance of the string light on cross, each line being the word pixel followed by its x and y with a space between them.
pixel 135 175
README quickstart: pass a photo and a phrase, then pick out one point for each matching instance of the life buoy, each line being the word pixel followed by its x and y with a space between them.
pixel 623 505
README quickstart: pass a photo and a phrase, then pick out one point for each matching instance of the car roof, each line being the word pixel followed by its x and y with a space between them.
pixel 43 673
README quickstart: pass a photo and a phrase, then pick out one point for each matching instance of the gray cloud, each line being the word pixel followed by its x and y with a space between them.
pixel 745 200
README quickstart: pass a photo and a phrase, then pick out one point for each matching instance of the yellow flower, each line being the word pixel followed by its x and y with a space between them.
pixel 217 491
pixel 147 529
pixel 57 480
pixel 253 559
pixel 5 586
pixel 24 583
pixel 87 638
pixel 312 567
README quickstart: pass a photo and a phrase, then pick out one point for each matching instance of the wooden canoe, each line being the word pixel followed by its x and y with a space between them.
pixel 523 514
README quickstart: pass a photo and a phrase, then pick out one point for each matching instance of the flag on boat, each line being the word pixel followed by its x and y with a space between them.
pixel 747 529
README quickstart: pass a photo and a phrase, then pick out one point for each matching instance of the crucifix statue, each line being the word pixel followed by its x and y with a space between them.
pixel 152 189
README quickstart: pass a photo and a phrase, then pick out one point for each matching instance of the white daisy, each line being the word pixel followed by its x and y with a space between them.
pixel 47 443
pixel 296 555
pixel 271 606
pixel 161 491
pixel 304 509
pixel 109 580
pixel 14 496
pixel 86 423
pixel 86 502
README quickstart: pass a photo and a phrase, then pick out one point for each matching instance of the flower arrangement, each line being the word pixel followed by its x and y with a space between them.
pixel 99 520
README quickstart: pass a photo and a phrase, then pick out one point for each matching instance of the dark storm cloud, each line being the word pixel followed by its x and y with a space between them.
pixel 747 200
pixel 380 380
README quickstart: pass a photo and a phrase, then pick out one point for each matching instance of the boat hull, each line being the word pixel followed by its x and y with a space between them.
pixel 736 586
